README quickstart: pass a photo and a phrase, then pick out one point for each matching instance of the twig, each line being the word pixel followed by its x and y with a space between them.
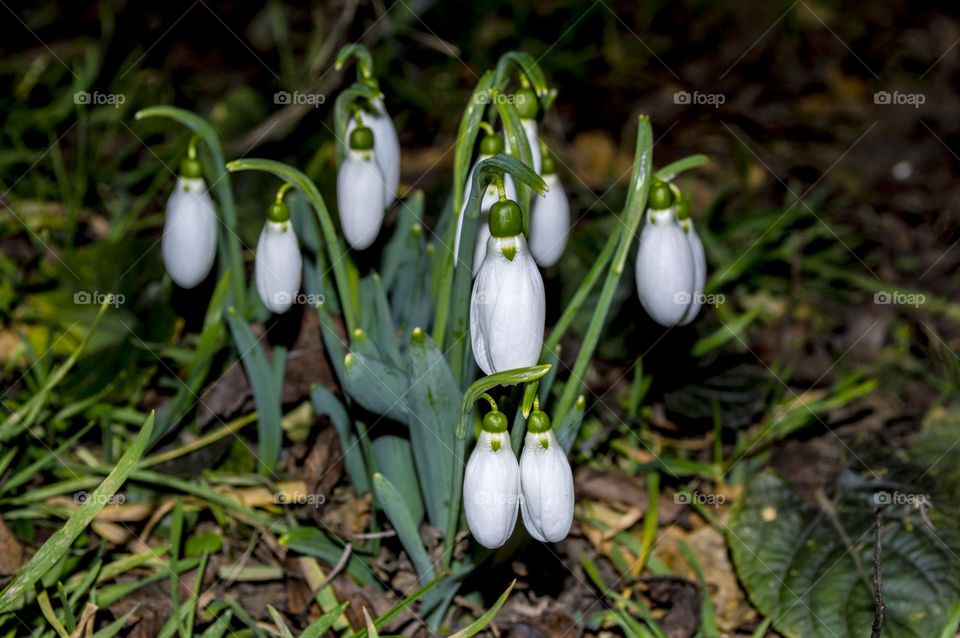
pixel 880 606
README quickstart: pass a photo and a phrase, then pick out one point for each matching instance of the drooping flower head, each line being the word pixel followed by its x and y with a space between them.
pixel 491 484
pixel 278 265
pixel 386 146
pixel 550 219
pixel 360 191
pixel 546 482
pixel 189 243
pixel 665 263
pixel 699 257
pixel 508 306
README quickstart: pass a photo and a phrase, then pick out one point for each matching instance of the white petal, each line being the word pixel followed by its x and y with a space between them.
pixel 507 309
pixel 664 269
pixel 189 243
pixel 491 490
pixel 278 266
pixel 360 199
pixel 549 223
pixel 386 146
pixel 699 269
pixel 490 196
pixel 546 483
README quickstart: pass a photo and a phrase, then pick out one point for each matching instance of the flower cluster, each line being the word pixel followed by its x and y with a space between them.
pixel 496 487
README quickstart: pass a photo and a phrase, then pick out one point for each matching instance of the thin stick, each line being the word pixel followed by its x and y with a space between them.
pixel 878 577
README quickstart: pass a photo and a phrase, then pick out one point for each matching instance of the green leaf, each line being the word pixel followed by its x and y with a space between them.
pixel 377 386
pixel 484 384
pixel 267 392
pixel 394 455
pixel 800 571
pixel 398 608
pixel 60 542
pixel 520 150
pixel 396 510
pixel 528 65
pixel 319 627
pixel 313 542
pixel 481 623
pixel 466 139
pixel 434 400
pixel 326 403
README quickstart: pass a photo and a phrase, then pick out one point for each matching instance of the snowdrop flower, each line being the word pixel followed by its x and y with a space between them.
pixel 526 102
pixel 699 260
pixel 278 264
pixel 550 220
pixel 665 264
pixel 546 483
pixel 360 191
pixel 489 146
pixel 386 147
pixel 491 484
pixel 508 307
pixel 189 242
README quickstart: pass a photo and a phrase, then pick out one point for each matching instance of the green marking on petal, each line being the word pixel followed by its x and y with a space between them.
pixel 509 252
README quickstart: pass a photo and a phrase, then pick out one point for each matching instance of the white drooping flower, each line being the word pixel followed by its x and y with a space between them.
pixel 699 269
pixel 360 191
pixel 189 243
pixel 386 147
pixel 508 306
pixel 550 220
pixel 490 146
pixel 491 486
pixel 278 266
pixel 546 483
pixel 665 269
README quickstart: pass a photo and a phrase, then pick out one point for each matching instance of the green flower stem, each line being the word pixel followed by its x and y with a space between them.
pixel 633 209
pixel 570 312
pixel 342 110
pixel 338 254
pixel 362 54
pixel 231 254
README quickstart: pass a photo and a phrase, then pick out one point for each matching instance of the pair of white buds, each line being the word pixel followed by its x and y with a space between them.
pixel 369 175
pixel 189 243
pixel 540 486
pixel 671 265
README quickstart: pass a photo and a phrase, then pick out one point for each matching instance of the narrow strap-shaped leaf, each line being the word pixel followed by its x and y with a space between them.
pixel 481 623
pixel 467 134
pixel 266 392
pixel 398 608
pixel 321 625
pixel 389 498
pixel 434 396
pixel 326 403
pixel 670 171
pixel 60 542
pixel 377 386
pixel 394 455
pixel 520 150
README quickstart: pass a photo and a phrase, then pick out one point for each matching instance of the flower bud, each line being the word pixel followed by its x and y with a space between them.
pixel 665 268
pixel 278 265
pixel 386 148
pixel 549 223
pixel 546 483
pixel 507 308
pixel 491 489
pixel 189 243
pixel 360 196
